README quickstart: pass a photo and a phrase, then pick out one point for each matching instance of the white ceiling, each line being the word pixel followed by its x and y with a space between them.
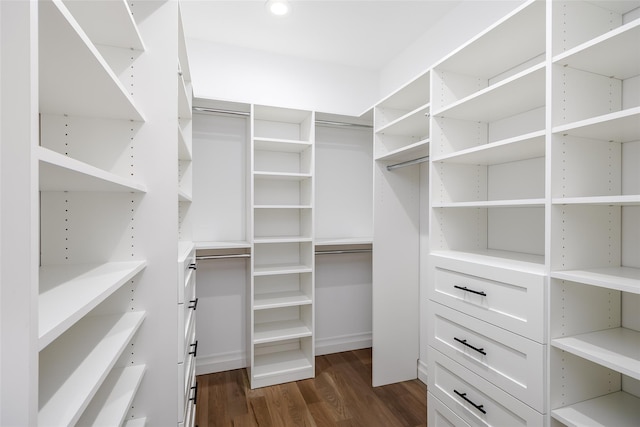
pixel 359 33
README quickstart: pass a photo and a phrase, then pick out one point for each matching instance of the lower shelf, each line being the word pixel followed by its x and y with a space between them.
pixel 618 409
pixel 285 366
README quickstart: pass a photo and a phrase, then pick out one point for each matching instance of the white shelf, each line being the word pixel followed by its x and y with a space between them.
pixel 498 101
pixel 626 200
pixel 62 173
pixel 625 279
pixel 493 204
pixel 617 349
pixel 526 263
pixel 73 367
pixel 76 80
pixel 522 147
pixel 184 152
pixel 273 364
pixel 184 196
pixel 222 245
pixel 282 239
pixel 343 241
pixel 282 206
pixel 409 97
pixel 618 409
pixel 184 99
pixel 280 331
pixel 110 405
pixel 137 422
pixel 281 176
pixel 280 299
pixel 272 270
pixel 68 292
pixel 285 145
pixel 608 54
pixel 98 19
pixel 414 123
pixel 619 126
pixel 408 152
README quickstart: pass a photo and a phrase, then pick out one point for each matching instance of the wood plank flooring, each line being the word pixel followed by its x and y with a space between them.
pixel 340 395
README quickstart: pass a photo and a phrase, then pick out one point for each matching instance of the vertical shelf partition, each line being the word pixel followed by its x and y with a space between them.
pixel 281 309
pixel 595 263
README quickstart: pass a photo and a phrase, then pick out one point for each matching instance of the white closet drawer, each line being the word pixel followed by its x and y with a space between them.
pixel 187 389
pixel 513 363
pixel 517 307
pixel 439 415
pixel 474 399
pixel 186 287
pixel 186 271
pixel 186 328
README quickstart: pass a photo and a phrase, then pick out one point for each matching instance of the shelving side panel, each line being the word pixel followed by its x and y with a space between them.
pixel 520 229
pixel 450 87
pixel 630 236
pixel 452 135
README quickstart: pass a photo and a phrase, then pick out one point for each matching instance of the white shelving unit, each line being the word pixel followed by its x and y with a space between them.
pixel 281 300
pixel 595 216
pixel 401 134
pixel 488 225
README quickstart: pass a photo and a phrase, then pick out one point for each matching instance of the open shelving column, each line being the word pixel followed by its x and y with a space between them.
pixel 281 309
pixel 401 137
pixel 595 214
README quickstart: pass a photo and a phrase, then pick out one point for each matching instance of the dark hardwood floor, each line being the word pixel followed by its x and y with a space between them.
pixel 339 395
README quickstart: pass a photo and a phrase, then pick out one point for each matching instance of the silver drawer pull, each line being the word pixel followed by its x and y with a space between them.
pixel 464 288
pixel 464 342
pixel 464 396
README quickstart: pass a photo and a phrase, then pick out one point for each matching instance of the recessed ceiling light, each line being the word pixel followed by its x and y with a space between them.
pixel 278 7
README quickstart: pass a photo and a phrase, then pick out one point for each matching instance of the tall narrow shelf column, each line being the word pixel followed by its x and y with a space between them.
pixel 595 214
pixel 281 308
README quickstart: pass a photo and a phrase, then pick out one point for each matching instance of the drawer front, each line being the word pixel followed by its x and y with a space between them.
pixel 474 399
pixel 517 307
pixel 186 286
pixel 186 328
pixel 439 415
pixel 512 362
pixel 187 387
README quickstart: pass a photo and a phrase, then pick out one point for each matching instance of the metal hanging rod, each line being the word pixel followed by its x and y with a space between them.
pixel 408 163
pixel 246 114
pixel 343 251
pixel 205 257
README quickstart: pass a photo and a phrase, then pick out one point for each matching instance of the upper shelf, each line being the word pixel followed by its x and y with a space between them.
pixel 75 79
pixel 413 123
pixel 512 41
pixel 99 18
pixel 62 173
pixel 275 144
pixel 626 279
pixel 407 152
pixel 619 126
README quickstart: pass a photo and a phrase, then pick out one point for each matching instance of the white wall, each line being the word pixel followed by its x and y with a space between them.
pixel 463 23
pixel 238 74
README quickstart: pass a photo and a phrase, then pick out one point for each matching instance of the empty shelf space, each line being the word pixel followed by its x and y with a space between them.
pixel 68 292
pixel 282 206
pixel 608 54
pixel 327 241
pixel 414 123
pixel 280 363
pixel 617 349
pixel 280 331
pixel 110 405
pixel 98 19
pixel 523 147
pixel 498 101
pixel 281 176
pixel 62 173
pixel 184 196
pixel 618 409
pixel 280 299
pixel 619 126
pixel 77 81
pixel 406 153
pixel 281 239
pixel 74 366
pixel 270 270
pixel 517 261
pixel 184 150
pixel 624 279
pixel 284 145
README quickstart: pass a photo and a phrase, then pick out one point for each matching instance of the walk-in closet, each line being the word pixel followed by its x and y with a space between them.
pixel 320 213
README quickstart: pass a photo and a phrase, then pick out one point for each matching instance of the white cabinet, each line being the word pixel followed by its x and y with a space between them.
pixel 281 301
pixel 488 225
pixel 595 214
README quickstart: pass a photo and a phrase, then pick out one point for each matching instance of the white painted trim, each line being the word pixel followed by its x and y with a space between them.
pixel 343 343
pixel 212 363
pixel 422 371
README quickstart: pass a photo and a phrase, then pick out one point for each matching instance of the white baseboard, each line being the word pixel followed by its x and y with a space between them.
pixel 212 363
pixel 343 343
pixel 422 371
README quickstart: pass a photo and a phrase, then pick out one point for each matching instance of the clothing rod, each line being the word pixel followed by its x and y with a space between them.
pixel 408 163
pixel 343 251
pixel 205 257
pixel 245 113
